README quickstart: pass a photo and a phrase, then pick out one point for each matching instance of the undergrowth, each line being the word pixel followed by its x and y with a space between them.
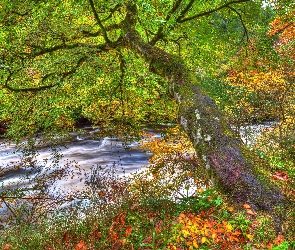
pixel 170 205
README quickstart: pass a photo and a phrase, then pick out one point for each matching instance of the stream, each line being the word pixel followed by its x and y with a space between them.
pixel 82 154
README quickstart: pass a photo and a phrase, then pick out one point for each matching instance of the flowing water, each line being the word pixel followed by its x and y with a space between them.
pixel 82 154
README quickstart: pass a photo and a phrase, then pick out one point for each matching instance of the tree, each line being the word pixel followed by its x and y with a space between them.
pixel 93 49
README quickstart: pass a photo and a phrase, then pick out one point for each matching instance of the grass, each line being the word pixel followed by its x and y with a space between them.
pixel 210 223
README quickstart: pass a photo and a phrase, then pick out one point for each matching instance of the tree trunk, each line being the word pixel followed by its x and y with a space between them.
pixel 227 161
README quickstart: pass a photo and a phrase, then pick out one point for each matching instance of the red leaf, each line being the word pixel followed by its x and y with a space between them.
pixel 281 176
pixel 255 223
pixel 95 235
pixel 269 245
pixel 66 237
pixel 81 246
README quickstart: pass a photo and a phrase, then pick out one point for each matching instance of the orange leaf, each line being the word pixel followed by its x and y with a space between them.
pixel 128 231
pixel 231 209
pixel 114 236
pixel 246 206
pixel 251 212
pixel 7 247
pixel 102 193
pixel 122 219
pixel 188 243
pixel 279 239
pixel 81 246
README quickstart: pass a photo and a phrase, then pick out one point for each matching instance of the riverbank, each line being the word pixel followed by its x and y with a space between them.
pixel 139 213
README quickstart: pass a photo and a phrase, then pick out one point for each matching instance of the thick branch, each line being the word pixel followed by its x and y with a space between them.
pixel 95 34
pixel 206 13
pixel 21 14
pixel 113 10
pixel 185 10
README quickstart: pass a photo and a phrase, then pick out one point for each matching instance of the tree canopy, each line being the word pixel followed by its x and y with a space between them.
pixel 76 54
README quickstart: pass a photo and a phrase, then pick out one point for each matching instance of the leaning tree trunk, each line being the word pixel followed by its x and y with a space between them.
pixel 228 162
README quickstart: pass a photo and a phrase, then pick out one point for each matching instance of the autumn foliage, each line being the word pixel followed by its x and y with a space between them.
pixel 197 230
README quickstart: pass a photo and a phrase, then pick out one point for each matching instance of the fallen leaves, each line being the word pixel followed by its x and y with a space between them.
pixel 196 230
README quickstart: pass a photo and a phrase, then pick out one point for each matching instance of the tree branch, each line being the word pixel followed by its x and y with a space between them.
pixel 63 77
pixel 242 22
pixel 112 12
pixel 95 34
pixel 104 32
pixel 21 14
pixel 122 75
pixel 43 51
pixel 9 208
pixel 159 35
pixel 206 13
pixel 185 10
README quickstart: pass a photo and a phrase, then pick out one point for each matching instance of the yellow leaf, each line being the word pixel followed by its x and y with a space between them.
pixel 249 236
pixel 204 239
pixel 195 244
pixel 229 227
pixel 230 209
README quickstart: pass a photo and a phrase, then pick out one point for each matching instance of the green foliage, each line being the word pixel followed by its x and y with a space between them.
pixel 201 202
pixel 59 53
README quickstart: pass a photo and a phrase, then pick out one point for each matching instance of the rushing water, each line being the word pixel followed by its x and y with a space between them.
pixel 81 154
